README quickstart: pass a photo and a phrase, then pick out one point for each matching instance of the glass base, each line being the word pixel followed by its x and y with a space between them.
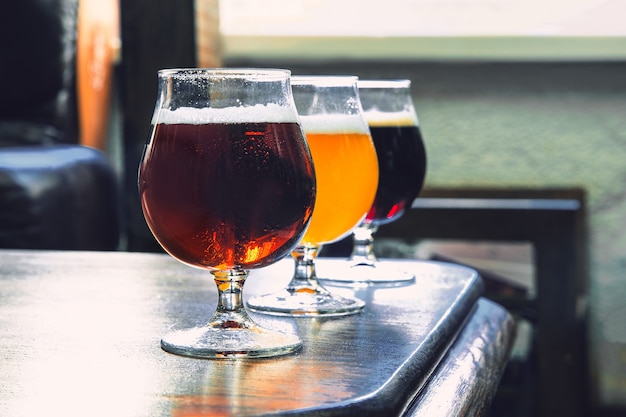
pixel 378 273
pixel 224 343
pixel 305 302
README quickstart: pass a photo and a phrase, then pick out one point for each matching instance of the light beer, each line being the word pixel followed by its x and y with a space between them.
pixel 347 174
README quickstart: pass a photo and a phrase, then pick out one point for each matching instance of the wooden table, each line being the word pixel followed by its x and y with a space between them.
pixel 80 332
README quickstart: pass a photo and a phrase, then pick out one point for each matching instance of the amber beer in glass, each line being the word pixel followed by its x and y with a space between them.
pixel 227 184
pixel 347 173
pixel 346 170
pixel 240 214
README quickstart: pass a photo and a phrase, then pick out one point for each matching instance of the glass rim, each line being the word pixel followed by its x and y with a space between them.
pixel 243 72
pixel 388 84
pixel 325 80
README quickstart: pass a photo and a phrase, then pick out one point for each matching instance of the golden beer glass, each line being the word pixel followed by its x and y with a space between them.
pixel 346 169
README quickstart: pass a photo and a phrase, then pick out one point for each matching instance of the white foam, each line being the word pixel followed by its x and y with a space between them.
pixel 400 118
pixel 330 123
pixel 271 113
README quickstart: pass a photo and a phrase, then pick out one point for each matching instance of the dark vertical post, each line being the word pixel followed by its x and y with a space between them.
pixel 155 35
pixel 561 327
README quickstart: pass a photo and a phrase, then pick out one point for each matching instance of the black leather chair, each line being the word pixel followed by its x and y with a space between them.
pixel 54 193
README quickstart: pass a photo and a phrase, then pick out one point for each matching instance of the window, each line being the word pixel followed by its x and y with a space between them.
pixel 418 29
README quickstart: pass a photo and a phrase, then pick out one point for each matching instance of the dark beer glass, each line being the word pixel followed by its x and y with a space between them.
pixel 227 184
pixel 389 111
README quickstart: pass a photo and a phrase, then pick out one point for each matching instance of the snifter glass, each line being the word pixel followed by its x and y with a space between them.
pixel 347 175
pixel 227 184
pixel 389 111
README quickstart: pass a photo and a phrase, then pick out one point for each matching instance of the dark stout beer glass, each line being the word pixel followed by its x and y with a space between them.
pixel 389 111
pixel 227 184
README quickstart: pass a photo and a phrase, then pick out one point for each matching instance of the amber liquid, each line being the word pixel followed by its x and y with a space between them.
pixel 347 178
pixel 227 195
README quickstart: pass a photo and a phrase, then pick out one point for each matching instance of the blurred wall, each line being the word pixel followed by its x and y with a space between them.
pixel 532 125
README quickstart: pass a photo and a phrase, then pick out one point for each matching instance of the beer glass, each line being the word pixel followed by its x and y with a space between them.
pixel 389 111
pixel 347 176
pixel 227 184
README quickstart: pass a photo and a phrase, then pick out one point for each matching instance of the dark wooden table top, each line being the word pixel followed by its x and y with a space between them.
pixel 80 334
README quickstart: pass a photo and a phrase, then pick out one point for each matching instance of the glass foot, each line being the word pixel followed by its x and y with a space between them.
pixel 379 274
pixel 231 332
pixel 363 268
pixel 225 343
pixel 305 302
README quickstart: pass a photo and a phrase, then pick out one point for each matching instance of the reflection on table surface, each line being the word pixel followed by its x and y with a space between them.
pixel 80 332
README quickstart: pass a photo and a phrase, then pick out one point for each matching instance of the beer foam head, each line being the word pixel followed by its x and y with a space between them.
pixel 333 123
pixel 400 118
pixel 270 113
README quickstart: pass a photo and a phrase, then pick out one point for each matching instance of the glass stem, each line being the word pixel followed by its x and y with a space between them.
pixel 305 278
pixel 230 312
pixel 363 251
